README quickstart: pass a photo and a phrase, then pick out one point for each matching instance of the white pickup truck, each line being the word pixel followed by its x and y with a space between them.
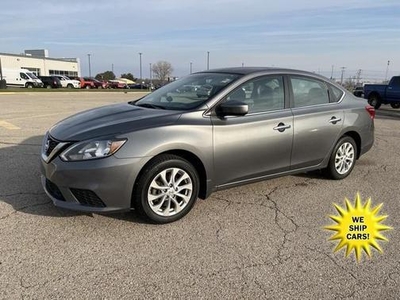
pixel 68 83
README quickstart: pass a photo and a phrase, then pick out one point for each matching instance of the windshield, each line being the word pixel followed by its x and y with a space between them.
pixel 31 75
pixel 188 92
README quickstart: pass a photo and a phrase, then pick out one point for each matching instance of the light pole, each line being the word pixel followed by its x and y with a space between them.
pixel 190 67
pixel 90 71
pixel 140 63
pixel 208 60
pixel 387 70
pixel 151 81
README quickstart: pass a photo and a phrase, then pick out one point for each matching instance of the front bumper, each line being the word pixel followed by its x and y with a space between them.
pixel 102 185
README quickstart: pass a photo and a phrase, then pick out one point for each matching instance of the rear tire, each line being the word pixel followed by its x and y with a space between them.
pixel 88 87
pixel 374 101
pixel 167 189
pixel 48 87
pixel 395 105
pixel 343 159
pixel 70 86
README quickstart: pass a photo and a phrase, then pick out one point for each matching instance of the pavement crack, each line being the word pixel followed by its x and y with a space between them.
pixel 334 261
pixel 278 212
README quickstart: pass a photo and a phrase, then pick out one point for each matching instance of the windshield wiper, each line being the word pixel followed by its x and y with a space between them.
pixel 148 105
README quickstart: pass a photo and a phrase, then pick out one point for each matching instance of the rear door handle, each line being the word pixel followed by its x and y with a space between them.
pixel 334 120
pixel 282 127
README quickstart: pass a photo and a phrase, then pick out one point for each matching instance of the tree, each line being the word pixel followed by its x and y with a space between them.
pixel 128 76
pixel 162 70
pixel 107 75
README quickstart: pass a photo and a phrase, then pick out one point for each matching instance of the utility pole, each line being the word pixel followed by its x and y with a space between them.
pixel 208 60
pixel 341 78
pixel 90 71
pixel 151 81
pixel 358 76
pixel 190 67
pixel 242 64
pixel 140 64
pixel 387 70
pixel 112 68
pixel 332 73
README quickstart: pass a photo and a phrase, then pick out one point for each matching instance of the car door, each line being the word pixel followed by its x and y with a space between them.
pixel 393 90
pixel 258 143
pixel 317 121
pixel 23 78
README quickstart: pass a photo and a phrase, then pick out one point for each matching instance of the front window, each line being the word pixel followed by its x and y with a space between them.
pixel 261 94
pixel 23 76
pixel 31 75
pixel 188 92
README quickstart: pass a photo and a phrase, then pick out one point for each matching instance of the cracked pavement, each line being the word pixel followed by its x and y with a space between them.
pixel 265 240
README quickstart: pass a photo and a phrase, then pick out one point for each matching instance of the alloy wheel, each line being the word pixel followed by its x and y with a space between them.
pixel 169 192
pixel 344 158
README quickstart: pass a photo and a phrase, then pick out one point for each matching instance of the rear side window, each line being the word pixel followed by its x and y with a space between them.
pixel 308 91
pixel 336 94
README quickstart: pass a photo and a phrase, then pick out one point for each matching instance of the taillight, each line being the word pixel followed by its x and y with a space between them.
pixel 371 110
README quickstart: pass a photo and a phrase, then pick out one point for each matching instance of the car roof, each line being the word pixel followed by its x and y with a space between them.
pixel 250 70
pixel 265 70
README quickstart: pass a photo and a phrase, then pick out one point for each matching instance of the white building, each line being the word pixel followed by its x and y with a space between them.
pixel 39 63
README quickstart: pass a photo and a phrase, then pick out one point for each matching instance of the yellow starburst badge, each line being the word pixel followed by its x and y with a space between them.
pixel 358 227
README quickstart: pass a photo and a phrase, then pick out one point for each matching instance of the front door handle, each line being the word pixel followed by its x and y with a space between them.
pixel 334 120
pixel 282 127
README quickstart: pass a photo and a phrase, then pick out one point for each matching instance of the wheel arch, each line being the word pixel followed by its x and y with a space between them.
pixel 357 139
pixel 191 158
pixel 374 93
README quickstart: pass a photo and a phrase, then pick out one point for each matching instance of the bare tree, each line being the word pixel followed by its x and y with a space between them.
pixel 162 70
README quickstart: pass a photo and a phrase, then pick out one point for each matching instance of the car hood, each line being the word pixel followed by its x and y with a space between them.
pixel 111 120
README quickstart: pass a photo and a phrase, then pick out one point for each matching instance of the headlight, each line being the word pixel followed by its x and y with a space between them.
pixel 91 150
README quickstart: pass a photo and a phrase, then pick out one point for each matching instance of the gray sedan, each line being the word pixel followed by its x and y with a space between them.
pixel 235 126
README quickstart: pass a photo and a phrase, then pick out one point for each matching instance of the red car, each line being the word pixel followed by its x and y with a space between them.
pixel 96 83
pixel 85 84
pixel 115 84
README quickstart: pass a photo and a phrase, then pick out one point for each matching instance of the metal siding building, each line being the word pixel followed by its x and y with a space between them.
pixel 41 64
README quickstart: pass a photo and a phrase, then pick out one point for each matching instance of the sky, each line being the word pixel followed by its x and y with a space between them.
pixel 313 35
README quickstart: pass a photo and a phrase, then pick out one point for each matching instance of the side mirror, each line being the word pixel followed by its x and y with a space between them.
pixel 232 108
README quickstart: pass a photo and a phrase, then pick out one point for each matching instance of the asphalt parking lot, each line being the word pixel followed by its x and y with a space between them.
pixel 264 240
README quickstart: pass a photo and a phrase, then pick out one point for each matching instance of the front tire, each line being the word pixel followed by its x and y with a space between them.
pixel 343 158
pixel 167 189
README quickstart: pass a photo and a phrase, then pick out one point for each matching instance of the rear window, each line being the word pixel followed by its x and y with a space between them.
pixel 336 94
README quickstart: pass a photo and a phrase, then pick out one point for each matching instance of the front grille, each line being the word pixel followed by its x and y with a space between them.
pixel 52 143
pixel 87 198
pixel 54 190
